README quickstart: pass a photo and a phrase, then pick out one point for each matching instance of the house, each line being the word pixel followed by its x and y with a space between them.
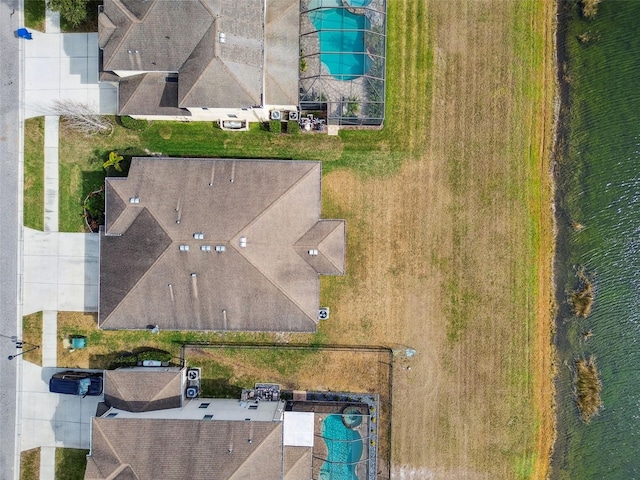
pixel 259 435
pixel 203 59
pixel 212 244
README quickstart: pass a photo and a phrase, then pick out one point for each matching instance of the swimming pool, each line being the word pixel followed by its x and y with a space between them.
pixel 341 35
pixel 345 449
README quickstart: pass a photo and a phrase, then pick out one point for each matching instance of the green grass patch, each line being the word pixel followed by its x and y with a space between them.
pixel 34 173
pixel 70 463
pixel 34 14
pixel 30 464
pixel 32 335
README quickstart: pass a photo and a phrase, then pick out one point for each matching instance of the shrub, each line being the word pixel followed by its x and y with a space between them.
pixel 159 355
pixel 581 299
pixel 275 126
pixel 587 388
pixel 134 123
pixel 293 128
pixel 589 8
pixel 73 11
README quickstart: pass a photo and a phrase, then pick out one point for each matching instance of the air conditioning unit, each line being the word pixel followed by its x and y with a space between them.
pixel 293 116
pixel 323 313
pixel 193 374
pixel 275 115
pixel 192 392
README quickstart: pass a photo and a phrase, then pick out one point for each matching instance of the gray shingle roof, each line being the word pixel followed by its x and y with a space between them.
pixel 151 449
pixel 266 214
pixel 184 36
pixel 143 390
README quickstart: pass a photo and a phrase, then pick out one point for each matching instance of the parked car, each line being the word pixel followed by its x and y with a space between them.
pixel 76 383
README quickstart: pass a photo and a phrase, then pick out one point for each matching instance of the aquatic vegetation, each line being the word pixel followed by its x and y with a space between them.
pixel 587 388
pixel 581 299
pixel 589 8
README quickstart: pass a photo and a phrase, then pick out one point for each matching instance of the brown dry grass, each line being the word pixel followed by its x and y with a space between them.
pixel 30 464
pixel 32 335
pixel 452 256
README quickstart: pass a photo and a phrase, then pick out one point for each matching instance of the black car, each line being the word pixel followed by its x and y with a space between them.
pixel 76 383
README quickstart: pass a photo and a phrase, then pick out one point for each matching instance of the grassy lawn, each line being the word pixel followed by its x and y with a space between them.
pixel 34 14
pixel 32 334
pixel 30 464
pixel 34 173
pixel 70 463
pixel 449 238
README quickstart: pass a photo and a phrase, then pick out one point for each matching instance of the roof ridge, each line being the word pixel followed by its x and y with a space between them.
pixel 146 273
pixel 259 447
pixel 119 390
pixel 108 442
pixel 143 77
pixel 339 223
pixel 238 81
pixel 261 215
pixel 165 387
pixel 135 285
pixel 120 469
pixel 127 13
pixel 214 52
pixel 304 453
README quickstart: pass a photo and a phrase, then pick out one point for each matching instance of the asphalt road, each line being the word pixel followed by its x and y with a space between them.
pixel 9 229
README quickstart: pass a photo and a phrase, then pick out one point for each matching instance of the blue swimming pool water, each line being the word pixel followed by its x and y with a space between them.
pixel 342 48
pixel 345 449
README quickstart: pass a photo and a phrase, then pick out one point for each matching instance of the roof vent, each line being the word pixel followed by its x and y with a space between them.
pixel 135 199
pixel 205 248
pixel 222 37
pixel 313 252
pixel 221 248
pixel 198 236
pixel 243 242
pixel 184 248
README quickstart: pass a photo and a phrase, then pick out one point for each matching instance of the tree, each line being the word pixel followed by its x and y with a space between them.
pixel 73 11
pixel 114 160
pixel 82 117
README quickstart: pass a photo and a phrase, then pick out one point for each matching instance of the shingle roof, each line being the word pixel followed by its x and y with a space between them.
pixel 143 390
pixel 151 449
pixel 214 71
pixel 150 94
pixel 266 214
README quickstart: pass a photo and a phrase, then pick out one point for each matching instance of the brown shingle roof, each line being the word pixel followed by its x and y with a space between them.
pixel 269 284
pixel 143 390
pixel 167 449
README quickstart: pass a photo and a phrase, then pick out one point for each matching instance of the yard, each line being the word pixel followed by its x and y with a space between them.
pixel 449 233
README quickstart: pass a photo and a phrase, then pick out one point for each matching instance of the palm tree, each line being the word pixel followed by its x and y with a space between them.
pixel 114 160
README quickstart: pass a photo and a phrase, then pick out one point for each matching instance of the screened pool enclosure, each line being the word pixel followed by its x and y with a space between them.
pixel 342 60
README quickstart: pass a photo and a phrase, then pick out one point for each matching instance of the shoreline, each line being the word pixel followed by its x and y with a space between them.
pixel 559 139
pixel 552 149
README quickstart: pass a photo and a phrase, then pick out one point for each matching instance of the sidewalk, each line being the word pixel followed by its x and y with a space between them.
pixel 60 270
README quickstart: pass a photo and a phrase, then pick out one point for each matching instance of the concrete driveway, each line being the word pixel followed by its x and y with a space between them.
pixel 50 419
pixel 64 66
pixel 61 271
